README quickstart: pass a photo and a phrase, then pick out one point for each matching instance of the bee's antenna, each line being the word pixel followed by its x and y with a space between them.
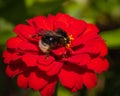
pixel 36 35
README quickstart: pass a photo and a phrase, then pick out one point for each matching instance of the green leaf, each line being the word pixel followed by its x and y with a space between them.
pixel 29 3
pixel 112 38
pixel 5 31
pixel 34 93
pixel 63 92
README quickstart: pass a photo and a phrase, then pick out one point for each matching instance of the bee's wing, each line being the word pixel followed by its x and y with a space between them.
pixel 43 33
pixel 48 33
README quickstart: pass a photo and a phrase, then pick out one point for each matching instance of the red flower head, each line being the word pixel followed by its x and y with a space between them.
pixel 55 48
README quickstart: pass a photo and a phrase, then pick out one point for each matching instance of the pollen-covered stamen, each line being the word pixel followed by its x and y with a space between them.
pixel 70 39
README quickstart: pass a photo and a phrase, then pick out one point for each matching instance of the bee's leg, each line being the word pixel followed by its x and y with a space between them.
pixel 64 55
pixel 47 53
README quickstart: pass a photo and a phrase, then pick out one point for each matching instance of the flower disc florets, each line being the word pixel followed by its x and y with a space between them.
pixel 74 50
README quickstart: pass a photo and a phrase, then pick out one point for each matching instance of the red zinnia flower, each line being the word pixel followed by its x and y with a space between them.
pixel 73 58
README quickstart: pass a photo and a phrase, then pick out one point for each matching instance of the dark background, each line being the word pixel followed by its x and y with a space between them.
pixel 104 13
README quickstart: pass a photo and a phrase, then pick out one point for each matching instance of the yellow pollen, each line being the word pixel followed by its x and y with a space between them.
pixel 70 38
pixel 67 45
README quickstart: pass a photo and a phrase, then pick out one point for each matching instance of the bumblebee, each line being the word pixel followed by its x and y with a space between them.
pixel 52 40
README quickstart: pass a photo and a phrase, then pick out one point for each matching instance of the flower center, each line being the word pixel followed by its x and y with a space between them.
pixel 53 40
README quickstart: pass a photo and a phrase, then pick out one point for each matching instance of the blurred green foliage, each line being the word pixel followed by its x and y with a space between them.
pixel 104 13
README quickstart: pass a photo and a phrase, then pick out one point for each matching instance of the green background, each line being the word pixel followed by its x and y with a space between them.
pixel 104 13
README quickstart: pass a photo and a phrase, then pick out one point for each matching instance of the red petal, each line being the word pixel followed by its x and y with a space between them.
pixel 106 64
pixel 70 79
pixel 66 19
pixel 51 69
pixel 69 24
pixel 37 81
pixel 49 89
pixel 63 21
pixel 51 20
pixel 58 23
pixel 22 81
pixel 10 57
pixel 13 43
pixel 89 79
pixel 89 34
pixel 10 72
pixel 92 46
pixel 80 59
pixel 27 46
pixel 59 51
pixel 43 60
pixel 99 65
pixel 40 22
pixel 61 25
pixel 104 49
pixel 77 28
pixel 45 67
pixel 30 60
pixel 24 31
pixel 55 69
pixel 91 28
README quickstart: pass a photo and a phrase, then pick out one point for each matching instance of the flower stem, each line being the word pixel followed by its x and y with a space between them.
pixel 56 90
